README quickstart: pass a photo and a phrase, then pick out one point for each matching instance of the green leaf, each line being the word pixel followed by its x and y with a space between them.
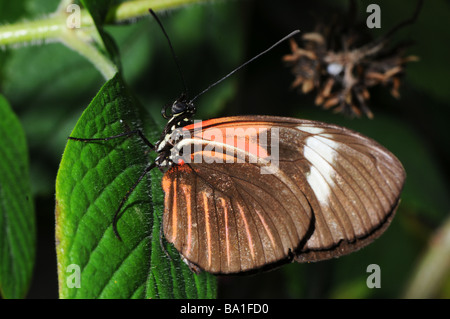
pixel 17 220
pixel 92 180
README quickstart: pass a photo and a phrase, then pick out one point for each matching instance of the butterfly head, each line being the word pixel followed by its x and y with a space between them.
pixel 181 108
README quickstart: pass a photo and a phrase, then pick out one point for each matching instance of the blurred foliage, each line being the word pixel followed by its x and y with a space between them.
pixel 17 222
pixel 49 86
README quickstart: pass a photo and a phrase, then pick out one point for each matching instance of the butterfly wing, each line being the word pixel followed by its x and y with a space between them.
pixel 257 190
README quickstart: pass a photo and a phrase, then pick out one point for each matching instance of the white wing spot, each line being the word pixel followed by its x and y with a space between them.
pixel 310 129
pixel 321 153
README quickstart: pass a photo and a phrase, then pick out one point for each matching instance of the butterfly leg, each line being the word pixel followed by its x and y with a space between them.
pixel 127 195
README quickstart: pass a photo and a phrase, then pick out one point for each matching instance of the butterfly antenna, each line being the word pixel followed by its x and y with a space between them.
pixel 171 49
pixel 242 65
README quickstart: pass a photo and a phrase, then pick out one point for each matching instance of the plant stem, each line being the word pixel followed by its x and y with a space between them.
pixel 32 31
pixel 50 27
pixel 54 27
pixel 106 67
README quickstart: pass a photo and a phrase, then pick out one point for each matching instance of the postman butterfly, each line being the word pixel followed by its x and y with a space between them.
pixel 244 193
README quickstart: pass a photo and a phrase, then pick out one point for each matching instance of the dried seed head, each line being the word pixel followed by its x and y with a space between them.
pixel 342 64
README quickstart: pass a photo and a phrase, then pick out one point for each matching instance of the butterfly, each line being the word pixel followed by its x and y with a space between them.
pixel 245 193
pixel 332 191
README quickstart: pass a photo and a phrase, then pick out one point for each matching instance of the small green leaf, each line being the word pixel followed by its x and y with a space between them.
pixel 17 220
pixel 92 180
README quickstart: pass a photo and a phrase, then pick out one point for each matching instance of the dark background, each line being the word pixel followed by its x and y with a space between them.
pixel 49 86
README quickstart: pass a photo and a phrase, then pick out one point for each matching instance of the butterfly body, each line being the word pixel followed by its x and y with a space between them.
pixel 182 112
